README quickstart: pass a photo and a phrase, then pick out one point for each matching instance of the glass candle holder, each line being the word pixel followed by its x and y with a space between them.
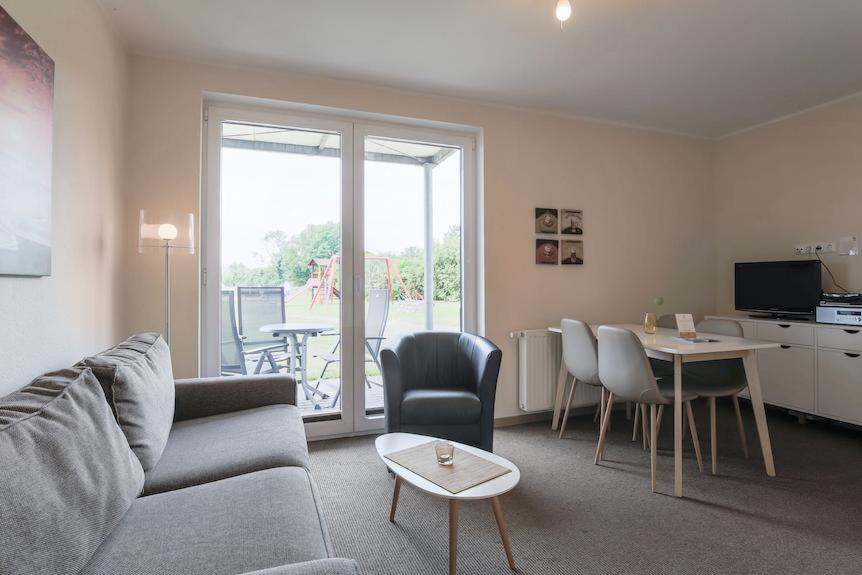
pixel 445 452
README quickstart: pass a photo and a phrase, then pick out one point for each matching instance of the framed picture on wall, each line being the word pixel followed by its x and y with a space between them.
pixel 572 222
pixel 547 221
pixel 547 251
pixel 26 126
pixel 572 253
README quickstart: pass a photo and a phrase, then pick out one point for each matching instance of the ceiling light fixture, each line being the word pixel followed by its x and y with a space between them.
pixel 563 11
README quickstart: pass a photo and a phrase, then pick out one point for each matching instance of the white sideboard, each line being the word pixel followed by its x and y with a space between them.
pixel 817 369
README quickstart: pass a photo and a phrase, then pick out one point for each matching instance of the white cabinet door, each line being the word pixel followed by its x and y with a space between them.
pixel 839 392
pixel 787 376
pixel 786 333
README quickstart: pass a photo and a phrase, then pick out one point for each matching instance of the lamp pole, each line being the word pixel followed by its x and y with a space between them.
pixel 168 291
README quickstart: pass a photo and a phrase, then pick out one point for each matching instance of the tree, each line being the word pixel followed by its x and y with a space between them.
pixel 314 241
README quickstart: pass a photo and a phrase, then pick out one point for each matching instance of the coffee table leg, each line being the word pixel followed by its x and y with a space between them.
pixel 504 534
pixel 395 498
pixel 453 536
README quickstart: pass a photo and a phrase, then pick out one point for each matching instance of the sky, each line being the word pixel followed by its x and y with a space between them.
pixel 266 191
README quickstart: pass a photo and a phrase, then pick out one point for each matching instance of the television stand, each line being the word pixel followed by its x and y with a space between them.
pixel 788 316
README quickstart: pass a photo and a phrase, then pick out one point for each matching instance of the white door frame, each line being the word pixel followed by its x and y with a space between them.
pixel 354 127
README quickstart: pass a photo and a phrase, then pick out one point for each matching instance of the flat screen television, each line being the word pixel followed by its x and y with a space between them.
pixel 778 288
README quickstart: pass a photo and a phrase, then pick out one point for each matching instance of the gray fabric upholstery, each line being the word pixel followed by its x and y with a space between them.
pixel 439 407
pixel 139 384
pixel 318 567
pixel 212 448
pixel 208 396
pixel 245 523
pixel 67 475
pixel 441 361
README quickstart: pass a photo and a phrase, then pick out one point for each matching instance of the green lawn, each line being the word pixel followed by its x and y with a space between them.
pixel 404 317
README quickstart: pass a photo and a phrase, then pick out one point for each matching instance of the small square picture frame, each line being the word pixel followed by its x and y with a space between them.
pixel 572 252
pixel 572 222
pixel 547 251
pixel 547 221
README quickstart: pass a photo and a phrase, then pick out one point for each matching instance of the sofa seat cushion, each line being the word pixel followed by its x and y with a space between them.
pixel 236 525
pixel 139 384
pixel 221 446
pixel 67 475
pixel 440 406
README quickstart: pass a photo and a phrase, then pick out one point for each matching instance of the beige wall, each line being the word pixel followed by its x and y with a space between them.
pixel 51 322
pixel 795 181
pixel 646 198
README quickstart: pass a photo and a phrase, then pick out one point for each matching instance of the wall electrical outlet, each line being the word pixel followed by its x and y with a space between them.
pixel 824 247
pixel 803 249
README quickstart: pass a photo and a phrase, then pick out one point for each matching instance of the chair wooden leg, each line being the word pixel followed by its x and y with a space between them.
pixel 603 432
pixel 658 421
pixel 568 407
pixel 644 425
pixel 395 498
pixel 740 425
pixel 713 436
pixel 637 421
pixel 597 416
pixel 602 407
pixel 653 451
pixel 694 438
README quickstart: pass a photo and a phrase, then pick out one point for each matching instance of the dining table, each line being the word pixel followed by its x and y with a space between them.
pixel 666 344
pixel 298 334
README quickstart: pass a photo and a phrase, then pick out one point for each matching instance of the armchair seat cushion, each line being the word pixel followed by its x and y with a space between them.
pixel 440 406
pixel 211 448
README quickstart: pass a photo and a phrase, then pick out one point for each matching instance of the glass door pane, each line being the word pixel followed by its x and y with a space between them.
pixel 280 257
pixel 412 240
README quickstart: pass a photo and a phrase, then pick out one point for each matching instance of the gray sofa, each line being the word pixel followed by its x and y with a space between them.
pixel 203 476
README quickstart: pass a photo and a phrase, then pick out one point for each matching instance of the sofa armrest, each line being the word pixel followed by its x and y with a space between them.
pixel 316 567
pixel 207 396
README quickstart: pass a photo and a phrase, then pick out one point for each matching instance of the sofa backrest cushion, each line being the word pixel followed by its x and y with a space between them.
pixel 138 381
pixel 67 474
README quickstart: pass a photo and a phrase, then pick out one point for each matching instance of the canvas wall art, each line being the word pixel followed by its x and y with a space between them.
pixel 547 252
pixel 26 125
pixel 546 221
pixel 571 253
pixel 572 222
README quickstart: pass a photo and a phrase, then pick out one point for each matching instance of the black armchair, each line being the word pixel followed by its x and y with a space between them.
pixel 442 384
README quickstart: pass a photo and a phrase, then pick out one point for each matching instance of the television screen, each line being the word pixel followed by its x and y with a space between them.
pixel 778 287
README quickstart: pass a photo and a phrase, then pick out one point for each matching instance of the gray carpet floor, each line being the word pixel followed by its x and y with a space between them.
pixel 570 516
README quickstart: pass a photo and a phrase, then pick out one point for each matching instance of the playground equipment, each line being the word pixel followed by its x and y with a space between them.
pixel 321 284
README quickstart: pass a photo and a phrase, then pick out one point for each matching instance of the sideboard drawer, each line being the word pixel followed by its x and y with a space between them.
pixel 787 376
pixel 839 391
pixel 840 338
pixel 786 333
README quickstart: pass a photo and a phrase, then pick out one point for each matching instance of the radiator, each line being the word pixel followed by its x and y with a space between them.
pixel 539 354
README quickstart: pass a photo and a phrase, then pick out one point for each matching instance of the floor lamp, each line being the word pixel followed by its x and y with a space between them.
pixel 162 236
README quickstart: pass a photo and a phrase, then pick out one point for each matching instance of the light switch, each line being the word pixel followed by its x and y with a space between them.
pixel 848 246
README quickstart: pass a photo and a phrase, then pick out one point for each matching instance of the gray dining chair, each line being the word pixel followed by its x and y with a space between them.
pixel 667 320
pixel 581 356
pixel 234 356
pixel 625 371
pixel 257 307
pixel 375 324
pixel 720 378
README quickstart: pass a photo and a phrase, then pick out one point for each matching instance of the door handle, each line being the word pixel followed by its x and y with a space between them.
pixel 785 347
pixel 851 331
pixel 851 354
pixel 784 325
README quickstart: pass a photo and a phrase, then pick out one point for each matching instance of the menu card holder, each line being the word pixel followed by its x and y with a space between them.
pixel 685 324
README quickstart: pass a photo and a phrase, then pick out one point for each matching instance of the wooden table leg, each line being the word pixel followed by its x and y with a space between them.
pixel 562 379
pixel 395 498
pixel 453 536
pixel 756 396
pixel 677 425
pixel 504 534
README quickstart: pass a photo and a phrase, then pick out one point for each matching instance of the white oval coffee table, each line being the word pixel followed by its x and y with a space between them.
pixel 392 442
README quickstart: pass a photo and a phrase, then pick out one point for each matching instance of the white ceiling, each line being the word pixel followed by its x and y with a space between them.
pixel 700 67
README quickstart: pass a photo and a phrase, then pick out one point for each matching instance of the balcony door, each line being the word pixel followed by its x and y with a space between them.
pixel 324 238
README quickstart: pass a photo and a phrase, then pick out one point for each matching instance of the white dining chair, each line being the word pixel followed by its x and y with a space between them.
pixel 580 354
pixel 625 371
pixel 720 378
